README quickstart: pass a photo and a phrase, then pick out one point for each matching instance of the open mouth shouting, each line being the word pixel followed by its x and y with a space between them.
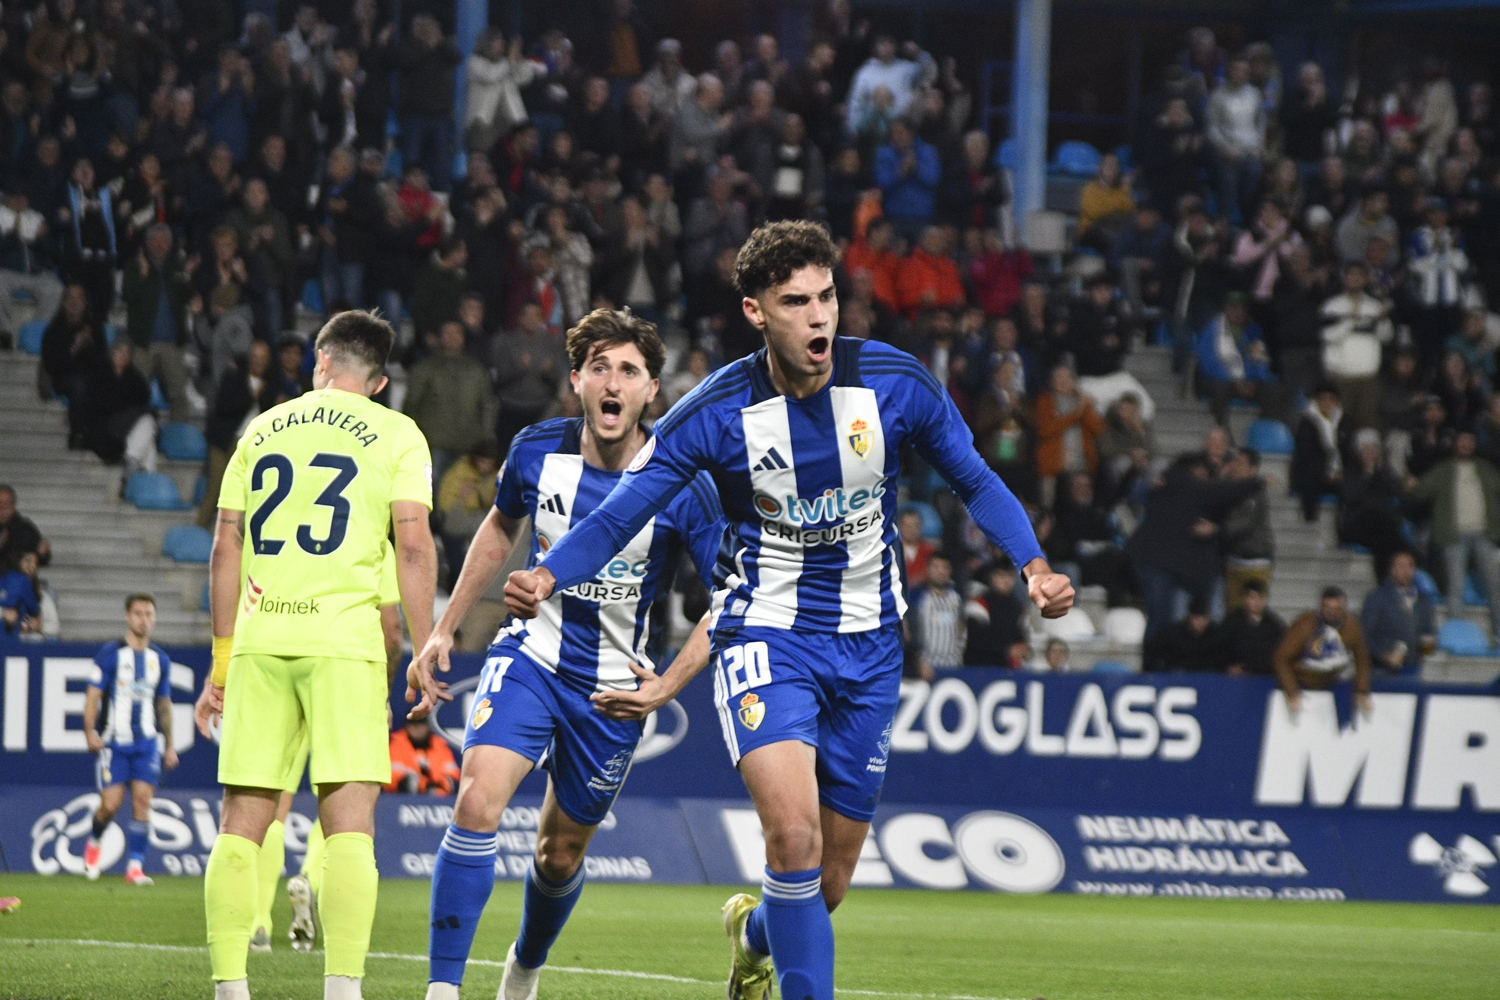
pixel 611 414
pixel 817 350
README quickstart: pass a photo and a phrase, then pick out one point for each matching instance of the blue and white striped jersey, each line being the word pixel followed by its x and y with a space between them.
pixel 808 486
pixel 593 630
pixel 131 682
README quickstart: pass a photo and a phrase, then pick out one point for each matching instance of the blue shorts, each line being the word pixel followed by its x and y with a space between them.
pixel 547 719
pixel 835 692
pixel 118 764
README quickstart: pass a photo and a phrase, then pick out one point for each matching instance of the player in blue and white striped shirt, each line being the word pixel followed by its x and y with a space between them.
pixel 130 692
pixel 803 441
pixel 570 688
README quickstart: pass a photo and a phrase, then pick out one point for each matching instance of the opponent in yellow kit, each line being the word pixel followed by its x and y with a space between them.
pixel 309 498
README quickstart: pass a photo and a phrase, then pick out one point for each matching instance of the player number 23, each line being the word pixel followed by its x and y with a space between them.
pixel 746 667
pixel 332 497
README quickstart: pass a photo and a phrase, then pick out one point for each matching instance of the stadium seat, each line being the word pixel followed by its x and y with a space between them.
pixel 1125 626
pixel 1076 159
pixel 187 543
pixel 1076 624
pixel 182 443
pixel 153 491
pixel 158 397
pixel 1113 667
pixel 1474 595
pixel 1427 586
pixel 1005 155
pixel 29 339
pixel 932 523
pixel 1462 638
pixel 1269 437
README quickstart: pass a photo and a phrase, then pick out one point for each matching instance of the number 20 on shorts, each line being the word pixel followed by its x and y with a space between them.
pixel 745 667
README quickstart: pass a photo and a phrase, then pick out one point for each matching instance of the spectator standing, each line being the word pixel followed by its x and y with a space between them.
pixel 1175 550
pixel 1296 312
pixel 1397 617
pixel 1234 364
pixel 997 273
pixel 495 76
pixel 937 618
pixel 1465 495
pixel 1260 249
pixel 117 420
pixel 25 260
pixel 873 253
pixel 995 621
pixel 715 221
pixel 1099 331
pixel 90 249
pixel 1193 645
pixel 908 172
pixel 420 764
pixel 529 365
pixel 916 550
pixel 1248 542
pixel 246 389
pixel 974 189
pixel 266 241
pixel 928 277
pixel 72 347
pixel 636 267
pixel 883 69
pixel 1439 269
pixel 1079 539
pixel 1363 223
pixel 1140 253
pixel 450 399
pixel 438 288
pixel 1067 426
pixel 792 174
pixel 1321 648
pixel 19 534
pixel 1308 119
pixel 228 102
pixel 1370 502
pixel 670 86
pixel 348 214
pixel 1355 329
pixel 1237 132
pixel 1250 633
pixel 1322 440
pixel 158 295
pixel 427 59
pixel 697 131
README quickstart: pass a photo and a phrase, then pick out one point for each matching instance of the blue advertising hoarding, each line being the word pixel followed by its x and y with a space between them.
pixel 999 780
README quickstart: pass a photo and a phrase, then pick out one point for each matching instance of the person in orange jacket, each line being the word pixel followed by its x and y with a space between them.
pixel 420 763
pixel 873 254
pixel 929 278
pixel 1067 426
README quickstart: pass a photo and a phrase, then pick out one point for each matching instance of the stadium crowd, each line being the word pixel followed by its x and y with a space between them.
pixel 178 187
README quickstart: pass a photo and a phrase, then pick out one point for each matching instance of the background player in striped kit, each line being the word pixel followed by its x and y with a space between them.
pixel 803 440
pixel 569 689
pixel 130 692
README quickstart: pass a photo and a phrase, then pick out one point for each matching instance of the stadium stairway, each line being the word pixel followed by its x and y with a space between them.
pixel 1308 556
pixel 102 548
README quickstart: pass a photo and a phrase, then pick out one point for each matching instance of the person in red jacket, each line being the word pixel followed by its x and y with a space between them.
pixel 874 254
pixel 997 273
pixel 928 278
pixel 421 764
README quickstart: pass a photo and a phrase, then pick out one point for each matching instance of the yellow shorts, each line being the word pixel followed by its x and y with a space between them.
pixel 299 764
pixel 275 707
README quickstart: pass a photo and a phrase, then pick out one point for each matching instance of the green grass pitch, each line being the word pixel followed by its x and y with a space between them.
pixel 891 944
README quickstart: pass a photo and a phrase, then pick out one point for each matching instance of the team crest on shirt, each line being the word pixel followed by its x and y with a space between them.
pixel 860 438
pixel 482 712
pixel 543 543
pixel 752 711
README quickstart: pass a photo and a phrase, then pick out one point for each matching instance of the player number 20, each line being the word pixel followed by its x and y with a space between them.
pixel 332 497
pixel 746 667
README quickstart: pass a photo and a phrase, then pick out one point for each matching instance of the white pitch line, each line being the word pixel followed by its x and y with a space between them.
pixel 569 969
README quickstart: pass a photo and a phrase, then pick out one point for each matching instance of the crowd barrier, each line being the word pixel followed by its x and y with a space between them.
pixel 1166 785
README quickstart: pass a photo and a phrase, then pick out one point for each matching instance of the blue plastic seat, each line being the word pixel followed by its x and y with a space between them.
pixel 182 443
pixel 1474 595
pixel 153 491
pixel 1462 638
pixel 1076 159
pixel 1113 667
pixel 1269 437
pixel 1427 586
pixel 187 543
pixel 932 523
pixel 1005 155
pixel 158 397
pixel 29 338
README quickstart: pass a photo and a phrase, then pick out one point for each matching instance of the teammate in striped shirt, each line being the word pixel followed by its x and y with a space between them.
pixel 569 689
pixel 804 442
pixel 130 694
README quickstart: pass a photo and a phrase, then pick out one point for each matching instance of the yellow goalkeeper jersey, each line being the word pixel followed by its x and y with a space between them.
pixel 316 477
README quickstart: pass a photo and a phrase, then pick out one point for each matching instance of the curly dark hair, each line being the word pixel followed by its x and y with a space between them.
pixel 608 327
pixel 778 249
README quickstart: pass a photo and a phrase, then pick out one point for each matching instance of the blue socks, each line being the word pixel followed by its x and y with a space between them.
pixel 799 932
pixel 545 909
pixel 136 836
pixel 462 881
pixel 755 930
